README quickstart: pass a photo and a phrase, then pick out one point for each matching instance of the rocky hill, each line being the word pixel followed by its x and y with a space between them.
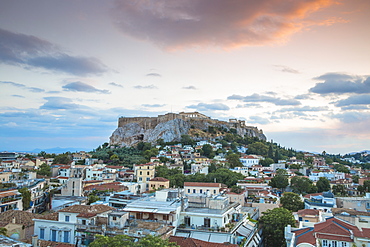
pixel 171 126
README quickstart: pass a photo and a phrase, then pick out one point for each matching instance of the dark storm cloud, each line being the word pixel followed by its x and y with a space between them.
pixel 83 87
pixel 30 51
pixel 197 23
pixel 31 89
pixel 264 98
pixel 210 107
pixel 337 83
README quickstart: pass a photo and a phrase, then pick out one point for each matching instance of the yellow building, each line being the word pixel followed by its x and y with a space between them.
pixel 144 172
pixel 159 183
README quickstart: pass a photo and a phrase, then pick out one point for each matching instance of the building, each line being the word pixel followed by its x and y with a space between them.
pixel 249 160
pixel 62 225
pixel 334 232
pixel 10 200
pixel 144 173
pixel 357 203
pixel 159 183
pixel 324 201
pixel 196 187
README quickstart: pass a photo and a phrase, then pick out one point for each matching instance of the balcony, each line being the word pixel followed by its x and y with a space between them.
pixel 89 228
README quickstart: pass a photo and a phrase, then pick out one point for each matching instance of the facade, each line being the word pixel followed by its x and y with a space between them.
pixel 62 225
pixel 324 202
pixel 196 187
pixel 249 160
pixel 159 183
pixel 10 200
pixel 144 173
pixel 357 203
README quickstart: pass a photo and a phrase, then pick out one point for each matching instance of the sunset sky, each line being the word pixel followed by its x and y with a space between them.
pixel 297 69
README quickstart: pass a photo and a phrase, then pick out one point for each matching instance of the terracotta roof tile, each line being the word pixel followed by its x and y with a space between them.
pixel 192 242
pixel 99 208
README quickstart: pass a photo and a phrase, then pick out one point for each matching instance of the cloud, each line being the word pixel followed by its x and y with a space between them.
pixel 363 99
pixel 18 96
pixel 31 89
pixel 287 69
pixel 250 105
pixel 178 24
pixel 304 109
pixel 59 103
pixel 154 74
pixel 115 84
pixel 355 107
pixel 83 87
pixel 153 105
pixel 145 87
pixel 258 120
pixel 264 98
pixel 30 51
pixel 337 83
pixel 353 117
pixel 303 96
pixel 189 88
pixel 210 107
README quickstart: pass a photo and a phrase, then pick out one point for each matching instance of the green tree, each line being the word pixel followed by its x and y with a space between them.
pixel 340 190
pixel 280 180
pixel 341 168
pixel 225 176
pixel 273 223
pixel 270 153
pixel 277 156
pixel 292 201
pixel 233 160
pixel 258 148
pixel 92 199
pixel 187 140
pixel 143 146
pixel 62 159
pixel 323 184
pixel 26 198
pixel 367 186
pixel 44 170
pixel 126 241
pixel 266 162
pixel 302 185
pixel 355 178
pixel 208 151
pixel 3 231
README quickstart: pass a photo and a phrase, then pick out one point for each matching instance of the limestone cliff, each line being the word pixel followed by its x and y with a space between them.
pixel 171 126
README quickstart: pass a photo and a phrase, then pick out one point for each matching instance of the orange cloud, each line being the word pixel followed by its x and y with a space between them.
pixel 174 24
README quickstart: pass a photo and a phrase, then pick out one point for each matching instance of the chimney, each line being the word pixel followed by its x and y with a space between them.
pixel 35 241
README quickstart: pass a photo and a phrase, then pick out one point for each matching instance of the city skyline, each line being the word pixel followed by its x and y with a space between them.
pixel 298 70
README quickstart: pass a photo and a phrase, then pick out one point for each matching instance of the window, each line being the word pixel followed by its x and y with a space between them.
pixel 325 243
pixel 188 190
pixel 200 191
pixel 66 218
pixel 147 179
pixel 194 191
pixel 66 236
pixel 83 222
pixel 147 173
pixel 166 217
pixel 140 179
pixel 214 191
pixel 344 244
pixel 334 243
pixel 141 173
pixel 54 235
pixel 187 220
pixel 42 233
pixel 207 222
pixel 114 218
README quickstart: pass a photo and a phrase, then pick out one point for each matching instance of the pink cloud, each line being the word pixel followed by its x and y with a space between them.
pixel 173 24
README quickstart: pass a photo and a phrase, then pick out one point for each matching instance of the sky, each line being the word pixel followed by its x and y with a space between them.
pixel 297 69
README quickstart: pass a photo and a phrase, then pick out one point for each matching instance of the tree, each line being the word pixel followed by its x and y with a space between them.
pixel 280 180
pixel 323 184
pixel 62 159
pixel 340 190
pixel 233 160
pixel 258 148
pixel 92 199
pixel 292 201
pixel 44 170
pixel 3 231
pixel 26 198
pixel 266 162
pixel 273 223
pixel 302 185
pixel 127 241
pixel 367 186
pixel 187 140
pixel 208 151
pixel 355 178
pixel 270 153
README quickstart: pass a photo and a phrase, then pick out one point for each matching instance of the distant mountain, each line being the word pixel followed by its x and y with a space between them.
pixel 365 151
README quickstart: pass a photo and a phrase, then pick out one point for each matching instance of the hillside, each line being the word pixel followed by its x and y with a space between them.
pixel 171 126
